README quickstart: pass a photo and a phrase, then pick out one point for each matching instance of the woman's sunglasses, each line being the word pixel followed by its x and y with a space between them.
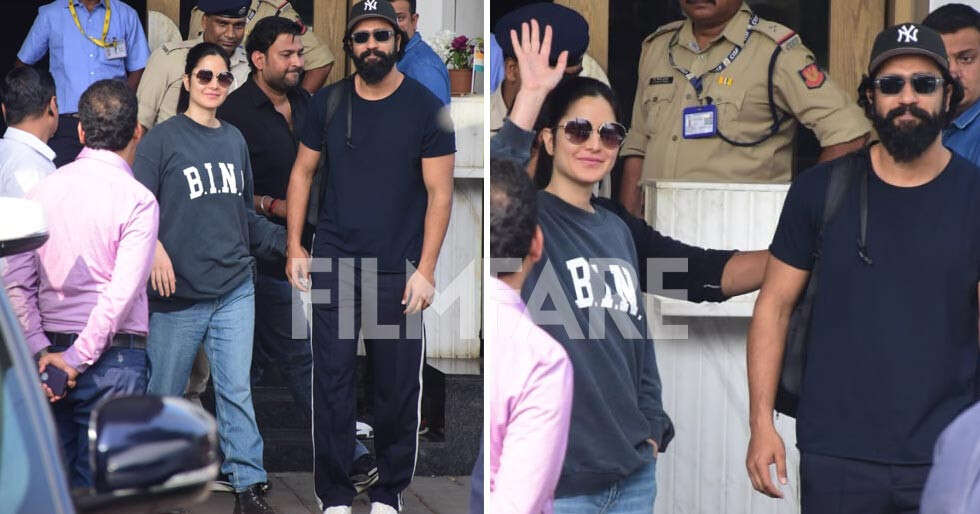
pixel 205 77
pixel 360 37
pixel 578 131
pixel 923 84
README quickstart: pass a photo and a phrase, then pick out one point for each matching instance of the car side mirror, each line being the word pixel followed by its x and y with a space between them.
pixel 22 226
pixel 150 451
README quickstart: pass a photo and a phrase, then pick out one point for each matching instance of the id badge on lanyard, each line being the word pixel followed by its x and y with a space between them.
pixel 115 50
pixel 700 121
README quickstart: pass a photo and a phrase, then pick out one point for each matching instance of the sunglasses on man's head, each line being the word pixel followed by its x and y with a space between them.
pixel 578 131
pixel 922 83
pixel 360 37
pixel 205 77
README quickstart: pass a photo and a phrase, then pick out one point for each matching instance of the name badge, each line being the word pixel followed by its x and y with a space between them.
pixel 115 50
pixel 700 121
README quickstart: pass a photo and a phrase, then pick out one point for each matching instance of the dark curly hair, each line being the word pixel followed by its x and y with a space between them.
pixel 107 113
pixel 513 211
pixel 569 90
pixel 866 89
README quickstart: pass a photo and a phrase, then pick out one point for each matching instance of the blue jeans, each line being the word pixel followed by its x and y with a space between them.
pixel 225 327
pixel 632 495
pixel 275 345
pixel 118 372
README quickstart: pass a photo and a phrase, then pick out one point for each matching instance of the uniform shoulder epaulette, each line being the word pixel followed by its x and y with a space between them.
pixel 673 26
pixel 170 46
pixel 780 34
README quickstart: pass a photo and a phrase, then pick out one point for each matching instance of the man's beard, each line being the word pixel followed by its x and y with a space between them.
pixel 373 71
pixel 286 81
pixel 906 141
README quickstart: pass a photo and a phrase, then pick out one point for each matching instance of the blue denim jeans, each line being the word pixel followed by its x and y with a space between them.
pixel 276 346
pixel 225 327
pixel 118 372
pixel 632 495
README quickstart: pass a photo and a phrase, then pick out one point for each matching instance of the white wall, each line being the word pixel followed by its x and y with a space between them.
pixel 933 4
pixel 461 16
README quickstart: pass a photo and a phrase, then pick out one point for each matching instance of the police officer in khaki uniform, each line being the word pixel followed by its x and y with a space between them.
pixel 319 59
pixel 702 108
pixel 161 84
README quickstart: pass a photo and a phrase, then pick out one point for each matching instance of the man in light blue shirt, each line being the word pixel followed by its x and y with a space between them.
pixel 420 61
pixel 31 113
pixel 86 41
pixel 959 26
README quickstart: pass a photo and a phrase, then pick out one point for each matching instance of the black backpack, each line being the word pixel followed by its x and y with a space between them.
pixel 843 173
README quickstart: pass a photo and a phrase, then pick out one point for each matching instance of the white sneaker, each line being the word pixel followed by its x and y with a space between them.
pixel 337 510
pixel 364 431
pixel 382 508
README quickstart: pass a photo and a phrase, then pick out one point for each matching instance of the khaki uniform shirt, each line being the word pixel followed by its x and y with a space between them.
pixel 740 92
pixel 162 80
pixel 315 53
pixel 498 109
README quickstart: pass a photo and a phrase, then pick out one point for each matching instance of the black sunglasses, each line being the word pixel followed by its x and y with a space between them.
pixel 360 37
pixel 923 84
pixel 578 131
pixel 205 77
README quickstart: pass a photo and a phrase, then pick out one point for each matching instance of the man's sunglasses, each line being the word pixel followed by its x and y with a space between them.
pixel 205 77
pixel 922 84
pixel 578 131
pixel 362 36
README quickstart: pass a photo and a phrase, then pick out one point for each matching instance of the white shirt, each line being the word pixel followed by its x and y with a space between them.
pixel 24 161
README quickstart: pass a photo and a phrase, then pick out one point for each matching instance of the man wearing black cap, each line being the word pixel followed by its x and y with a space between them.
pixel 224 25
pixel 384 211
pixel 892 354
pixel 571 33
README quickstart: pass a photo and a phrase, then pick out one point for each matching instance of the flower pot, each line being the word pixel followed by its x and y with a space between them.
pixel 460 82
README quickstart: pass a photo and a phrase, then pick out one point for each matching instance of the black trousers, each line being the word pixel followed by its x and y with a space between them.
pixel 65 142
pixel 834 485
pixel 395 345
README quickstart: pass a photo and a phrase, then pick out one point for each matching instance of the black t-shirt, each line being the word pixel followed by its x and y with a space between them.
pixel 893 354
pixel 375 200
pixel 271 147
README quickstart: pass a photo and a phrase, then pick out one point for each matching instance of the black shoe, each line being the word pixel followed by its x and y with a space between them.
pixel 364 473
pixel 252 501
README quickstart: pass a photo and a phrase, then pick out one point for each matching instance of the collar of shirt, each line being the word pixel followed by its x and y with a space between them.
pixel 30 140
pixel 107 157
pixel 734 31
pixel 78 3
pixel 414 42
pixel 965 119
pixel 258 98
pixel 504 295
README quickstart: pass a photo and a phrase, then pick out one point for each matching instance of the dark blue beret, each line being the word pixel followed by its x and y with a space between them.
pixel 229 8
pixel 569 28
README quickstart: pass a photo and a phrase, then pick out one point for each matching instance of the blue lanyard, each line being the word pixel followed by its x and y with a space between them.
pixel 696 81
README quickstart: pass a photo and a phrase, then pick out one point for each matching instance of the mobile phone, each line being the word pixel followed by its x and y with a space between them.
pixel 55 379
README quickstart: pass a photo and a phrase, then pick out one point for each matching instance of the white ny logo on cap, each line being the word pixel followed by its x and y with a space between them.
pixel 908 34
pixel 370 5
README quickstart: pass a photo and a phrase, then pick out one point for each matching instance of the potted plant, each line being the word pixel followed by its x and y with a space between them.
pixel 457 53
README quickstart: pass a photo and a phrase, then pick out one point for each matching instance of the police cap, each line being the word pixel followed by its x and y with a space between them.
pixel 570 30
pixel 226 8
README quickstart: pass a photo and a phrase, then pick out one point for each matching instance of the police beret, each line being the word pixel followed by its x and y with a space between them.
pixel 570 30
pixel 229 8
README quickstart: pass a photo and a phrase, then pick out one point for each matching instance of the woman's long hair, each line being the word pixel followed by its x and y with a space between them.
pixel 556 105
pixel 194 56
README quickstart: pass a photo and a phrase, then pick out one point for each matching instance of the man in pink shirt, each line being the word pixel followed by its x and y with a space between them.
pixel 81 298
pixel 529 374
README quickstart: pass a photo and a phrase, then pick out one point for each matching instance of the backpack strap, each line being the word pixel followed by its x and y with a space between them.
pixel 342 89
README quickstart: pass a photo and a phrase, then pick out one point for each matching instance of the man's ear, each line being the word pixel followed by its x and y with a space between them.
pixel 512 73
pixel 81 134
pixel 3 109
pixel 53 106
pixel 258 59
pixel 138 132
pixel 537 247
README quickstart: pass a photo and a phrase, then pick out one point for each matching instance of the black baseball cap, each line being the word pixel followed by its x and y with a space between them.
pixel 908 39
pixel 372 9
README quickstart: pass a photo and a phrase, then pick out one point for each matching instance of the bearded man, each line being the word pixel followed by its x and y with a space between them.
pixel 892 352
pixel 384 210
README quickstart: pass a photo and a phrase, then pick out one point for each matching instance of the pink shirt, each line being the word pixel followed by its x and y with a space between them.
pixel 530 381
pixel 89 278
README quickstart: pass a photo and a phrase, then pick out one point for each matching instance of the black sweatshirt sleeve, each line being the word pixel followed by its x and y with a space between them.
pixel 704 267
pixel 512 143
pixel 649 397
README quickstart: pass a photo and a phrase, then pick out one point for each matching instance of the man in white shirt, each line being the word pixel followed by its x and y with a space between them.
pixel 31 113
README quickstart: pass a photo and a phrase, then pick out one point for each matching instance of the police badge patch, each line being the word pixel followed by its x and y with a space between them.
pixel 813 76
